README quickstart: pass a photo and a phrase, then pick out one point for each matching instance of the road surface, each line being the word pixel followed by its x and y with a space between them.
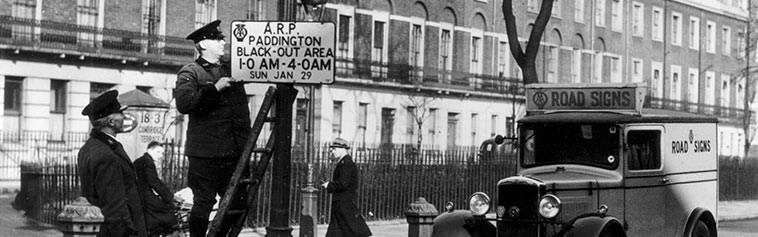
pixel 739 228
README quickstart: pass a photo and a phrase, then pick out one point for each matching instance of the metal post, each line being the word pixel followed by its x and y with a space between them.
pixel 280 185
pixel 309 212
pixel 420 216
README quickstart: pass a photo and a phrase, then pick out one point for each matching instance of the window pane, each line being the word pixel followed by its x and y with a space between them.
pixel 378 34
pixel 58 96
pixel 644 150
pixel 344 28
pixel 13 94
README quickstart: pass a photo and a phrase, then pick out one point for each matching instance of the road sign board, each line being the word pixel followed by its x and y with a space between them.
pixel 283 52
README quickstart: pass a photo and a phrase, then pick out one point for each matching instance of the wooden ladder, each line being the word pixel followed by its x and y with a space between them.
pixel 253 182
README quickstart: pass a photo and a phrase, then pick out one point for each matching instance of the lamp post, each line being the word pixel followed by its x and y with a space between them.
pixel 281 167
pixel 314 10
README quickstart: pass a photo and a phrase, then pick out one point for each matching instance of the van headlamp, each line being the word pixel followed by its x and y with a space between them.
pixel 479 204
pixel 550 206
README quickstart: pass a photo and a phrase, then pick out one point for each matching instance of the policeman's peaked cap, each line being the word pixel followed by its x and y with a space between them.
pixel 104 105
pixel 209 31
pixel 339 143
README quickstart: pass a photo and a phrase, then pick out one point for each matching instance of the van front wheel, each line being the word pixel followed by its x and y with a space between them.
pixel 701 230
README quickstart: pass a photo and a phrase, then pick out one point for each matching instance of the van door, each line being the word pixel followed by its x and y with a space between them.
pixel 644 188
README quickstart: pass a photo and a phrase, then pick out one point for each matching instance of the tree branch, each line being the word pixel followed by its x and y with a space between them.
pixel 512 32
pixel 533 46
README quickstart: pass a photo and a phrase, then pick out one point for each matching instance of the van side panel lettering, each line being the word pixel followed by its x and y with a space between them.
pixel 703 146
pixel 679 147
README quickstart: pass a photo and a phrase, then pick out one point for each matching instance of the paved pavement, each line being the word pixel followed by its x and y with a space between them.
pixel 378 228
pixel 738 210
pixel 13 222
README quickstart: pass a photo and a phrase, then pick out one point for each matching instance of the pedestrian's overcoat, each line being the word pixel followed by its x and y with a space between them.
pixel 108 181
pixel 219 121
pixel 346 218
pixel 157 197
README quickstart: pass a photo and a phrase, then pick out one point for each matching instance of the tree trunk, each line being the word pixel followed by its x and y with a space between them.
pixel 418 141
pixel 530 74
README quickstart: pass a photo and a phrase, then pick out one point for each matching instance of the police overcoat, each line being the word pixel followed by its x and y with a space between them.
pixel 346 219
pixel 156 196
pixel 219 122
pixel 108 181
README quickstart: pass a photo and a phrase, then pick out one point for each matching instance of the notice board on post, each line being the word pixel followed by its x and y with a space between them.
pixel 283 52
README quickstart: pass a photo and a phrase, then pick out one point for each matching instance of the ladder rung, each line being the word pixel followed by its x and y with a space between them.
pixel 246 181
pixel 262 150
pixel 270 119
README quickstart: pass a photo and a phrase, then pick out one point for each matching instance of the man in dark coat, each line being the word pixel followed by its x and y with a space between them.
pixel 108 179
pixel 346 219
pixel 158 200
pixel 219 123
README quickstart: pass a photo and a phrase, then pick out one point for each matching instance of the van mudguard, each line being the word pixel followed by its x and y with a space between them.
pixel 461 223
pixel 592 225
pixel 703 215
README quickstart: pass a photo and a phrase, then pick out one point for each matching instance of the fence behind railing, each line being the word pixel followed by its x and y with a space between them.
pixel 738 178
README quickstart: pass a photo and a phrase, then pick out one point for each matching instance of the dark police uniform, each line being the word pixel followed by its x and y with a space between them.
pixel 219 123
pixel 346 219
pixel 108 179
pixel 156 196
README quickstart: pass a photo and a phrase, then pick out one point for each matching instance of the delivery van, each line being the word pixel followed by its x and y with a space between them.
pixel 594 162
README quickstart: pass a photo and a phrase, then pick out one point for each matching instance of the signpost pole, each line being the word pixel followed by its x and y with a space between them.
pixel 280 189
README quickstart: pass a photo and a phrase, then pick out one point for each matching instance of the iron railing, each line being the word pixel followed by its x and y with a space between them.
pixel 390 177
pixel 61 37
pixel 730 113
pixel 431 77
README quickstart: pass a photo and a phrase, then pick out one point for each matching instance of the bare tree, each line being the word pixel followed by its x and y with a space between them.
pixel 526 59
pixel 418 107
pixel 748 73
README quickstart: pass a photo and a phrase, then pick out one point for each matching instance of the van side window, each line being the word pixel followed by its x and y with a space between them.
pixel 644 151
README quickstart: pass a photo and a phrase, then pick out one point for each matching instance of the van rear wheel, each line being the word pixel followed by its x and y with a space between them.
pixel 701 230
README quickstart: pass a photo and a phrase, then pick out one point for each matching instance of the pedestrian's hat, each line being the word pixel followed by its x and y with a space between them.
pixel 104 105
pixel 339 143
pixel 209 31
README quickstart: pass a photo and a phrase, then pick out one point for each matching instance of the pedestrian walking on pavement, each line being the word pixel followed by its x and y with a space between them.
pixel 108 178
pixel 219 123
pixel 346 218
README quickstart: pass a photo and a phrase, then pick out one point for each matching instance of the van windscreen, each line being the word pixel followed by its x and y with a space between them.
pixel 568 143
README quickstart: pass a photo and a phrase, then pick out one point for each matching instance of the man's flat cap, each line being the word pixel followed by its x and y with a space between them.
pixel 339 143
pixel 104 105
pixel 209 31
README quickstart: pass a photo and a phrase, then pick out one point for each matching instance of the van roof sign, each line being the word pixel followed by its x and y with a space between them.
pixel 617 97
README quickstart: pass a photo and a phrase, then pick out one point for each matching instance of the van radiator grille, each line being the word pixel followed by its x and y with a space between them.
pixel 525 197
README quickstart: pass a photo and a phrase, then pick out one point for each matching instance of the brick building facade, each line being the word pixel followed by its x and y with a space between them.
pixel 56 55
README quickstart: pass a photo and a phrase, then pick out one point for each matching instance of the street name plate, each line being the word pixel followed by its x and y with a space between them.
pixel 283 52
